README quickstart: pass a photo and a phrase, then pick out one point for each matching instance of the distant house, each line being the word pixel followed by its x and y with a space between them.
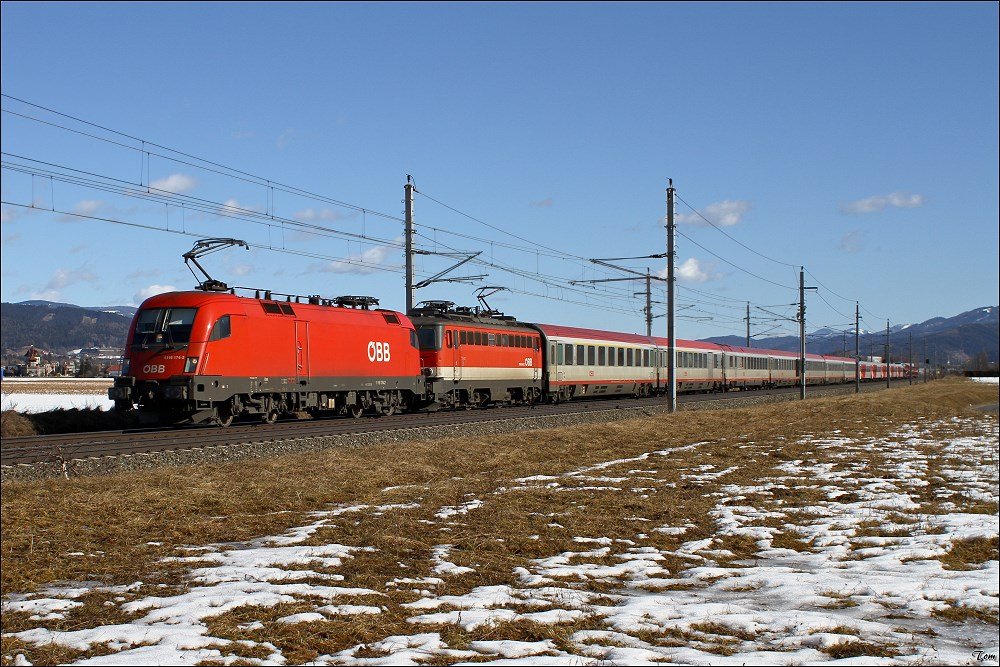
pixel 33 366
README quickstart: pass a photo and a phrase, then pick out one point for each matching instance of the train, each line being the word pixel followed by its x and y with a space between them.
pixel 213 356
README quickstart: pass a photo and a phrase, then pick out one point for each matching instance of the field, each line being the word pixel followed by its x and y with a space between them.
pixel 851 527
pixel 43 394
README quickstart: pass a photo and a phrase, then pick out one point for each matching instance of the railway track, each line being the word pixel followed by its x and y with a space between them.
pixel 76 446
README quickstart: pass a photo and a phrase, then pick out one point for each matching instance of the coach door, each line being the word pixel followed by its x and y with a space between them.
pixel 301 352
pixel 456 354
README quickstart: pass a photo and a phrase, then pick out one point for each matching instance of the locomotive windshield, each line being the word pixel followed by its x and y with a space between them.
pixel 164 326
pixel 429 337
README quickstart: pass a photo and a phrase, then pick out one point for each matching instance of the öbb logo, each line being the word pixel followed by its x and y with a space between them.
pixel 378 351
pixel 154 369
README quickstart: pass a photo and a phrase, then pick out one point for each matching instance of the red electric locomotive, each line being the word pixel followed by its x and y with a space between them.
pixel 210 356
pixel 476 357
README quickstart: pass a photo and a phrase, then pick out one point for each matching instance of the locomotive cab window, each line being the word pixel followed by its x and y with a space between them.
pixel 164 326
pixel 429 338
pixel 221 329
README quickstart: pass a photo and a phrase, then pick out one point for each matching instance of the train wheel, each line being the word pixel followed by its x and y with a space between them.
pixel 355 410
pixel 388 410
pixel 270 417
pixel 225 417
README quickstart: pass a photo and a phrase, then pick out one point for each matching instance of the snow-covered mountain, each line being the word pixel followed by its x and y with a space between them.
pixel 962 336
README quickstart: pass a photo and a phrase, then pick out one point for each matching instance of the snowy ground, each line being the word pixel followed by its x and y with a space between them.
pixel 43 394
pixel 853 575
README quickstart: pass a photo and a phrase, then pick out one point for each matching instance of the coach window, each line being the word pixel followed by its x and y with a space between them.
pixel 591 355
pixel 628 357
pixel 504 340
pixel 559 354
pixel 569 355
pixel 220 329
pixel 492 340
pixel 600 355
pixel 580 358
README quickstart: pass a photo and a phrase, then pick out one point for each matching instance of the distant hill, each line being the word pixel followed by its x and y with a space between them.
pixel 58 328
pixel 124 311
pixel 963 336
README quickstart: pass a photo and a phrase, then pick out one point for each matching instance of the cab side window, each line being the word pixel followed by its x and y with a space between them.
pixel 221 329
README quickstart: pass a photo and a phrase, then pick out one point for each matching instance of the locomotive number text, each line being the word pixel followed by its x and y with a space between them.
pixel 154 368
pixel 378 351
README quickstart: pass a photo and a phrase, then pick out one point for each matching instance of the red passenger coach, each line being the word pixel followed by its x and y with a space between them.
pixel 590 362
pixel 207 356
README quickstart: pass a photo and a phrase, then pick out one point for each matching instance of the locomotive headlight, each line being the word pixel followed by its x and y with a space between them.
pixel 191 364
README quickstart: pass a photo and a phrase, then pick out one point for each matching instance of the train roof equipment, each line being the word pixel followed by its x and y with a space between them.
pixel 204 247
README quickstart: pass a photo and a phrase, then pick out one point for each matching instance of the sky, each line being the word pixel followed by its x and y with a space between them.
pixel 857 140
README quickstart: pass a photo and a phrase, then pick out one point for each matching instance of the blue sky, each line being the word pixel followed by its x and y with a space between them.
pixel 859 140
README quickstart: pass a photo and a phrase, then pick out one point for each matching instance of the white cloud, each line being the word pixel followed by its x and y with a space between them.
pixel 283 138
pixel 232 207
pixel 6 214
pixel 724 214
pixel 144 273
pixel 882 202
pixel 693 271
pixel 88 206
pixel 851 242
pixel 176 183
pixel 152 290
pixel 312 215
pixel 543 203
pixel 367 262
pixel 66 277
pixel 47 295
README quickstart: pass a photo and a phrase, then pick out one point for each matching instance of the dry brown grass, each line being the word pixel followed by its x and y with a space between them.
pixel 857 649
pixel 13 424
pixel 114 519
pixel 73 420
pixel 970 553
